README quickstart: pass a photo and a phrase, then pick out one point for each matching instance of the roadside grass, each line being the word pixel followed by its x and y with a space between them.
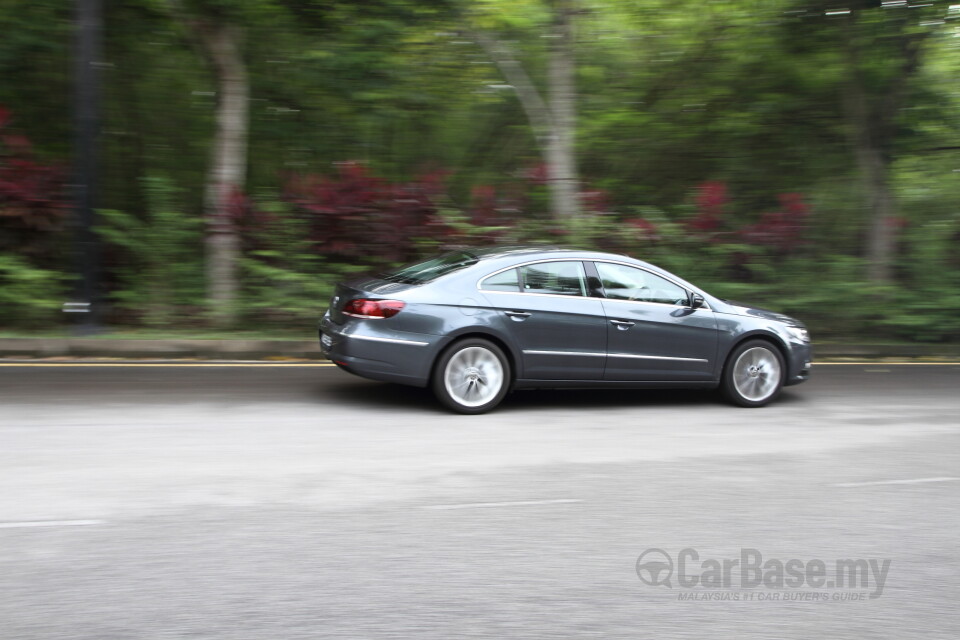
pixel 128 333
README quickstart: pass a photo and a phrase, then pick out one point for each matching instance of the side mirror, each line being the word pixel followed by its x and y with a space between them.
pixel 696 301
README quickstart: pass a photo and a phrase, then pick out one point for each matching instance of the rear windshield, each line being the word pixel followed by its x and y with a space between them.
pixel 431 269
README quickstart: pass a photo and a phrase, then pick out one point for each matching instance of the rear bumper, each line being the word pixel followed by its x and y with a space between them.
pixel 370 350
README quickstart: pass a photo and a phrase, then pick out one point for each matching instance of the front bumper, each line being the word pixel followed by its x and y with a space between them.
pixel 801 361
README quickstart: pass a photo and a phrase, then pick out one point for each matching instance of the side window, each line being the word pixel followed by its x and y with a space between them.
pixel 559 278
pixel 503 281
pixel 621 282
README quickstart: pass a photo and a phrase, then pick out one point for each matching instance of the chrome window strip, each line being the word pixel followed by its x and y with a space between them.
pixel 533 352
pixel 529 262
pixel 705 307
pixel 630 355
pixel 610 355
pixel 390 340
pixel 542 295
pixel 661 305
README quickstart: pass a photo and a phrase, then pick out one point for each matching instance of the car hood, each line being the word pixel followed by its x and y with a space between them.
pixel 744 309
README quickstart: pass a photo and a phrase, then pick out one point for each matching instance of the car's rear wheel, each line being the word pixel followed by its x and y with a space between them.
pixel 754 374
pixel 472 376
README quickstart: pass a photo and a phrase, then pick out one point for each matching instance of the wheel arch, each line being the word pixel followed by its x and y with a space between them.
pixel 480 332
pixel 765 336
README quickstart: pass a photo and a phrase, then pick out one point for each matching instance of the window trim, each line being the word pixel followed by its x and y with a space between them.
pixel 520 291
pixel 590 271
pixel 496 273
pixel 584 285
pixel 705 305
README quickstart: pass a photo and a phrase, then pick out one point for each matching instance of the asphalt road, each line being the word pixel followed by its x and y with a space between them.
pixel 294 502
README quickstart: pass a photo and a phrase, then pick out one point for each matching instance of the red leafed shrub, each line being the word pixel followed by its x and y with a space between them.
pixel 780 231
pixel 357 217
pixel 253 223
pixel 491 208
pixel 711 199
pixel 32 201
pixel 536 175
pixel 595 201
pixel 484 206
pixel 644 229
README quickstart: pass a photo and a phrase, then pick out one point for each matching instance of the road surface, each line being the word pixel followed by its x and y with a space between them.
pixel 287 502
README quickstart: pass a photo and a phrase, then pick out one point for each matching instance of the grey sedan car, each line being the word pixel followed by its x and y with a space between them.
pixel 478 323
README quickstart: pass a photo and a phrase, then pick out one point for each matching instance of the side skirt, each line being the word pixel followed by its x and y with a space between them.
pixel 614 384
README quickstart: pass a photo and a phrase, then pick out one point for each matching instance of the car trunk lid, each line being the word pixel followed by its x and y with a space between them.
pixel 374 288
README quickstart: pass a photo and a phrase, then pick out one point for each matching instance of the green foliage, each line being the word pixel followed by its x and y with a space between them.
pixel 284 280
pixel 156 260
pixel 29 297
pixel 670 94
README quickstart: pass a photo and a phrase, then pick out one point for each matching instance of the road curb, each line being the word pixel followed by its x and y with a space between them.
pixel 243 349
pixel 160 349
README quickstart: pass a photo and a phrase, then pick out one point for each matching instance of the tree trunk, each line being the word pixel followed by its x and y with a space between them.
pixel 554 121
pixel 560 151
pixel 881 205
pixel 867 138
pixel 228 166
pixel 871 121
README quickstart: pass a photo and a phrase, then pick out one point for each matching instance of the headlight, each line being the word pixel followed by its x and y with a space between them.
pixel 799 334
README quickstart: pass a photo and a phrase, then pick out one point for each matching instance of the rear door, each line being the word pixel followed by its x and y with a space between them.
pixel 561 332
pixel 652 333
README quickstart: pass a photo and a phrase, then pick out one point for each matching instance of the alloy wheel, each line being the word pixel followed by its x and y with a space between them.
pixel 473 376
pixel 757 374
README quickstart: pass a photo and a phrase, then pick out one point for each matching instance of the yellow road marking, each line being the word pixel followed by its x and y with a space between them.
pixel 880 363
pixel 165 364
pixel 330 364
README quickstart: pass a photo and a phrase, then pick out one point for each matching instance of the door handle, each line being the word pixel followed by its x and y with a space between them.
pixel 622 325
pixel 518 316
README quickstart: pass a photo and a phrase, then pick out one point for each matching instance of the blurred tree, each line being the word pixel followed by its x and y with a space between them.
pixel 554 119
pixel 873 100
pixel 216 26
pixel 881 47
pixel 34 63
pixel 851 105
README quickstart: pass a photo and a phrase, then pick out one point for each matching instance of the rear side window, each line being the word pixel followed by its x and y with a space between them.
pixel 431 269
pixel 565 278
pixel 503 281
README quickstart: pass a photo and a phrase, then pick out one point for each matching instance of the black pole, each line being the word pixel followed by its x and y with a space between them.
pixel 86 87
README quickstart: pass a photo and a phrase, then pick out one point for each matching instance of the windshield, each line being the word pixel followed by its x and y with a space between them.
pixel 421 272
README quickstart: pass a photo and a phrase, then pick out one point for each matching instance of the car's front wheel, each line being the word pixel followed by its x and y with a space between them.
pixel 754 374
pixel 472 376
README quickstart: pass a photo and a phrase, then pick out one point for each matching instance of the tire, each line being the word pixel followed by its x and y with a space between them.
pixel 472 376
pixel 754 374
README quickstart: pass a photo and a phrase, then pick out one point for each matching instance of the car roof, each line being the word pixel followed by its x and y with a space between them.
pixel 489 253
pixel 505 255
pixel 547 252
pixel 486 253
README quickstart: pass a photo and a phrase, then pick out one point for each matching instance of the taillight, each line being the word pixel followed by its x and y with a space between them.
pixel 364 308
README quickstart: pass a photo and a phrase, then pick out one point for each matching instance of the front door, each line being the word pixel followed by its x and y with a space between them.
pixel 652 333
